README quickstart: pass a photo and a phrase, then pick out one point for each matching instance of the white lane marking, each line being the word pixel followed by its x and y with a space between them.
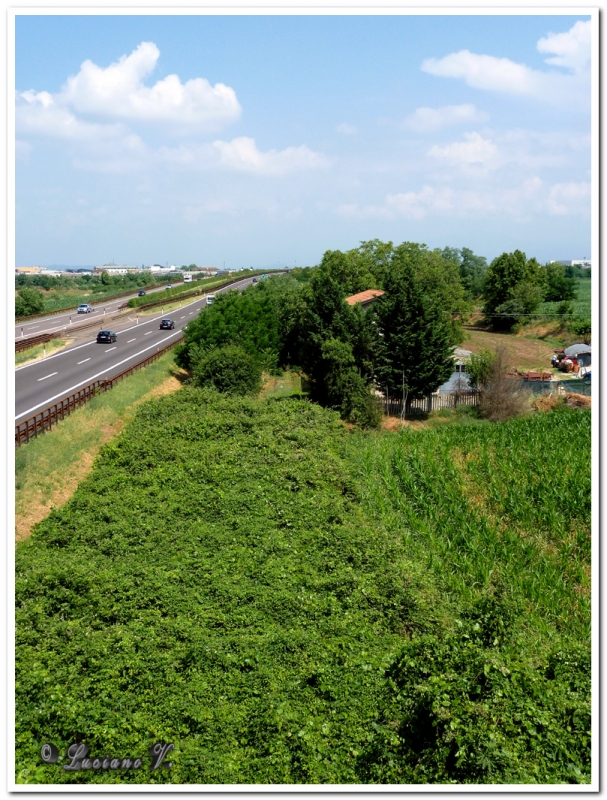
pixel 62 353
pixel 182 317
pixel 110 350
pixel 132 340
pixel 126 330
pixel 83 362
pixel 148 333
pixel 47 376
pixel 66 392
pixel 191 312
pixel 33 328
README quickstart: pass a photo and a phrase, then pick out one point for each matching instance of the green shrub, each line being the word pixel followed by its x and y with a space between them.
pixel 229 370
pixel 28 301
pixel 467 711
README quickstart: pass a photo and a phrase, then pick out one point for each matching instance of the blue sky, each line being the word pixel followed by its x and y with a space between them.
pixel 266 140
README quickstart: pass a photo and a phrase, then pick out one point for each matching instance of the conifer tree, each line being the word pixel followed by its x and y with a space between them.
pixel 414 354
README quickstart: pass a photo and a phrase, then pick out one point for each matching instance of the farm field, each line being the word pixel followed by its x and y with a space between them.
pixel 522 353
pixel 290 602
pixel 581 306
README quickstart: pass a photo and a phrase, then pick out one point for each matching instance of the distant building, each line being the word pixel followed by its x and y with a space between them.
pixel 29 270
pixel 365 298
pixel 584 263
pixel 156 268
pixel 208 272
pixel 113 269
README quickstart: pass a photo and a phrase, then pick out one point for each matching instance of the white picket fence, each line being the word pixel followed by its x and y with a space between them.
pixel 433 402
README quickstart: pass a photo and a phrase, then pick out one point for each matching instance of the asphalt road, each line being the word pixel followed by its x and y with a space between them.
pixel 39 384
pixel 57 322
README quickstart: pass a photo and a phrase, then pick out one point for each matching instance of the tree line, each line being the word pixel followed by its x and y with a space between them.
pixel 402 345
pixel 31 300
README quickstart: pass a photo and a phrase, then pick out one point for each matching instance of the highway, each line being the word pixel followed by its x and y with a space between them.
pixel 59 321
pixel 40 383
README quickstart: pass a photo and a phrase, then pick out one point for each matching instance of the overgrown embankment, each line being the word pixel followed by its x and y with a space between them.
pixel 290 603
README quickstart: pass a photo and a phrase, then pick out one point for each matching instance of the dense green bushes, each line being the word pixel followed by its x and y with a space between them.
pixel 470 711
pixel 227 369
pixel 288 603
pixel 28 301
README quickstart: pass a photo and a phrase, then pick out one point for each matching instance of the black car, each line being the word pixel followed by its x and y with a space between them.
pixel 106 336
pixel 166 324
pixel 141 293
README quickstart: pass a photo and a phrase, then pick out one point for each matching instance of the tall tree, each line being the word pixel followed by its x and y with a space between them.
pixel 414 350
pixel 559 286
pixel 514 286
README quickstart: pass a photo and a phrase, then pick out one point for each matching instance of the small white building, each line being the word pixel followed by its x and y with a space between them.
pixel 584 263
pixel 114 269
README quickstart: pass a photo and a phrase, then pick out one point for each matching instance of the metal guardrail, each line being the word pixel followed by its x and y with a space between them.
pixel 32 341
pixel 45 419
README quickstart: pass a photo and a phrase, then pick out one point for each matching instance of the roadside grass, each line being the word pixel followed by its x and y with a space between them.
pixel 48 469
pixel 38 352
pixel 290 602
pixel 285 385
pixel 164 310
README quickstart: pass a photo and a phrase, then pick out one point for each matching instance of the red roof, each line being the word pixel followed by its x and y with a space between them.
pixel 364 297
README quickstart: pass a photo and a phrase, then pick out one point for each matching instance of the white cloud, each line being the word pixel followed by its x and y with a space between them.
pixel 473 150
pixel 346 129
pixel 530 197
pixel 572 48
pixel 432 119
pixel 38 113
pixel 119 91
pixel 484 72
pixel 243 155
pixel 503 75
pixel 569 198
pixel 417 205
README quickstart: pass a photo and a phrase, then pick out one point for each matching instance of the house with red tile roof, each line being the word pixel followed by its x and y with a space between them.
pixel 364 298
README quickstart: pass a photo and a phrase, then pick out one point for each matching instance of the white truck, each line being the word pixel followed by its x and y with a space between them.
pixel 187 277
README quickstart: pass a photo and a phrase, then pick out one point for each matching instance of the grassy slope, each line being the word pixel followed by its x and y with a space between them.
pixel 49 468
pixel 236 575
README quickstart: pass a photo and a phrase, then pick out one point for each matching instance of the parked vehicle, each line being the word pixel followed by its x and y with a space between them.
pixel 210 299
pixel 106 336
pixel 166 324
pixel 169 285
pixel 85 308
pixel 141 293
